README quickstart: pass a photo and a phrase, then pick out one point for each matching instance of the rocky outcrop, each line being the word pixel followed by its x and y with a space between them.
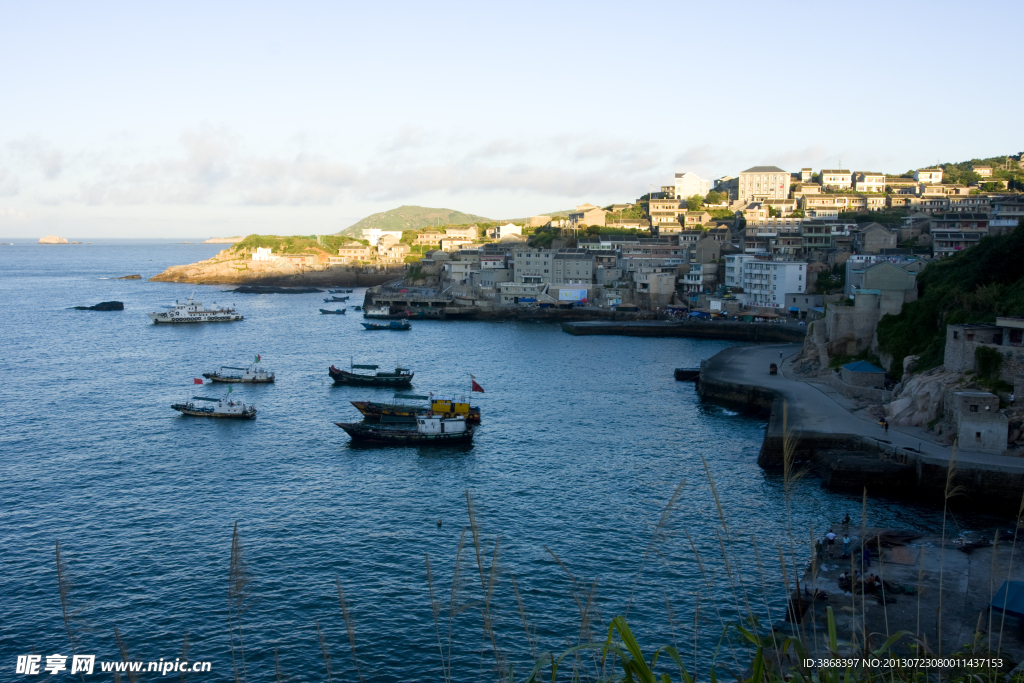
pixel 229 267
pixel 52 239
pixel 129 277
pixel 223 240
pixel 102 306
pixel 918 399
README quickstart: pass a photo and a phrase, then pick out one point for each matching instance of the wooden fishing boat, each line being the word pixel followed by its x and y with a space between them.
pixel 249 375
pixel 429 430
pixel 399 325
pixel 400 378
pixel 339 311
pixel 336 298
pixel 403 408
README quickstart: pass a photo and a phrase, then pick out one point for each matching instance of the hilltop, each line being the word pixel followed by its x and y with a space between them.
pixel 412 218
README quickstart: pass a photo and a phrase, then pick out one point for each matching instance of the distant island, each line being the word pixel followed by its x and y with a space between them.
pixel 224 240
pixel 52 239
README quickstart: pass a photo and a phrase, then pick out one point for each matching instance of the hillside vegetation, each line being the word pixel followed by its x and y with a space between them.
pixel 293 244
pixel 974 286
pixel 412 218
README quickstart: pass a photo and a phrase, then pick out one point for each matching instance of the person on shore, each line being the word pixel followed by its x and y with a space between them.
pixel 819 550
pixel 885 424
pixel 831 538
pixel 846 521
pixel 846 545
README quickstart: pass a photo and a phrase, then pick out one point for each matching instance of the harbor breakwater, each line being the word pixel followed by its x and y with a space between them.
pixel 735 331
pixel 847 451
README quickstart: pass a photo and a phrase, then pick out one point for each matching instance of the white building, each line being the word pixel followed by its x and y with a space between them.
pixel 763 182
pixel 836 178
pixel 374 235
pixel 506 230
pixel 868 181
pixel 928 175
pixel 263 254
pixel 689 184
pixel 765 282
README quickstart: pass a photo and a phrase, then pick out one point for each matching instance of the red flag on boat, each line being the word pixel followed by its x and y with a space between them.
pixel 476 387
pixel 197 381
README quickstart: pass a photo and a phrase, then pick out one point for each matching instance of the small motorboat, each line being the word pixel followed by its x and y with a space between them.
pixel 338 311
pixel 400 325
pixel 336 298
pixel 403 408
pixel 227 407
pixel 430 430
pixel 339 291
pixel 358 308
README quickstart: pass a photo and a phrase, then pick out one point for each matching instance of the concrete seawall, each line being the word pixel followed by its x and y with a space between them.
pixel 756 332
pixel 819 429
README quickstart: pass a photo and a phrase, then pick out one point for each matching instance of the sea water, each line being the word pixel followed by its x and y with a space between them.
pixel 584 441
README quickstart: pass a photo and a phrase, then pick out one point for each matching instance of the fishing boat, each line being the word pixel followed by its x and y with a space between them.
pixel 401 325
pixel 338 311
pixel 192 311
pixel 404 410
pixel 358 308
pixel 336 298
pixel 339 291
pixel 249 375
pixel 401 377
pixel 429 430
pixel 227 407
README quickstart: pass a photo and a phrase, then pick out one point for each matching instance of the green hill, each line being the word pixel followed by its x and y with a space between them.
pixel 412 218
pixel 974 286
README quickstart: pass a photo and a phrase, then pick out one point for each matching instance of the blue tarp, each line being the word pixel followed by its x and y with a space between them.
pixel 1012 593
pixel 862 366
pixel 699 314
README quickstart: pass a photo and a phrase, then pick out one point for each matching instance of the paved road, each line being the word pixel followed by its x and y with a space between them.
pixel 818 407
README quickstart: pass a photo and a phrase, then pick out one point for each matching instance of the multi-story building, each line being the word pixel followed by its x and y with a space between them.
pixel 766 282
pixel 983 171
pixel 533 266
pixel 763 182
pixel 954 232
pixel 836 179
pixel 928 175
pixel 900 185
pixel 665 211
pixel 868 181
pixel 587 214
pixel 469 233
pixel 430 238
pixel 689 184
pixel 806 174
pixel 573 267
pixel 355 252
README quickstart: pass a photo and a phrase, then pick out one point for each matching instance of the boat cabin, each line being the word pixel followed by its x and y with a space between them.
pixel 448 405
pixel 440 425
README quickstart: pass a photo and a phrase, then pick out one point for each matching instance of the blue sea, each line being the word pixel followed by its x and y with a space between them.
pixel 584 441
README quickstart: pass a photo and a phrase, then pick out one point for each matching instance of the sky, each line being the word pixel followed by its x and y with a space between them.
pixel 188 119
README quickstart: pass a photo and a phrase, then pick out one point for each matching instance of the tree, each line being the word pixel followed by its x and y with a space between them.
pixel 694 203
pixel 799 213
pixel 773 212
pixel 715 197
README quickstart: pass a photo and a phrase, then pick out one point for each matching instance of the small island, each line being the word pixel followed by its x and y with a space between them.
pixel 52 239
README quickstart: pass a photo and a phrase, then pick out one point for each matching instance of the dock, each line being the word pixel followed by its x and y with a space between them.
pixel 729 330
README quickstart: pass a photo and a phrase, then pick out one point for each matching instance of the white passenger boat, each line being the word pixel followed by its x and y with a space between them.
pixel 227 407
pixel 192 311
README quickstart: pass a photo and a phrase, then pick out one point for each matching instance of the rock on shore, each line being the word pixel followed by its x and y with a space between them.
pixel 102 306
pixel 52 239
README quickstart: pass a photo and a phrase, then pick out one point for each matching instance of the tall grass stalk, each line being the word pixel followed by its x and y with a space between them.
pixel 992 586
pixel 530 636
pixel 349 627
pixel 238 580
pixel 64 588
pixel 323 650
pixel 656 535
pixel 950 491
pixel 123 649
pixel 1009 570
pixel 764 596
pixel 435 608
pixel 863 534
pixel 277 667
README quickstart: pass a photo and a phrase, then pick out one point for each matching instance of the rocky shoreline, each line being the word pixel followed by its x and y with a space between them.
pixel 237 268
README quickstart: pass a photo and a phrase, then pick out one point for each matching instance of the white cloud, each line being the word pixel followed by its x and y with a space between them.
pixel 9 185
pixel 39 155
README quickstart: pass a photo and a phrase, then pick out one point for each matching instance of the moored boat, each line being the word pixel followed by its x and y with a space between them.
pixel 429 430
pixel 377 312
pixel 401 377
pixel 400 325
pixel 192 311
pixel 339 311
pixel 227 407
pixel 249 375
pixel 336 298
pixel 402 409
pixel 339 291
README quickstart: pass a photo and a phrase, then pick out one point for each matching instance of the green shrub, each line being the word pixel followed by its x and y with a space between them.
pixel 989 362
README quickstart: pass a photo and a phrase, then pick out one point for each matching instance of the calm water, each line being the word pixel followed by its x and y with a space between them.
pixel 584 440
